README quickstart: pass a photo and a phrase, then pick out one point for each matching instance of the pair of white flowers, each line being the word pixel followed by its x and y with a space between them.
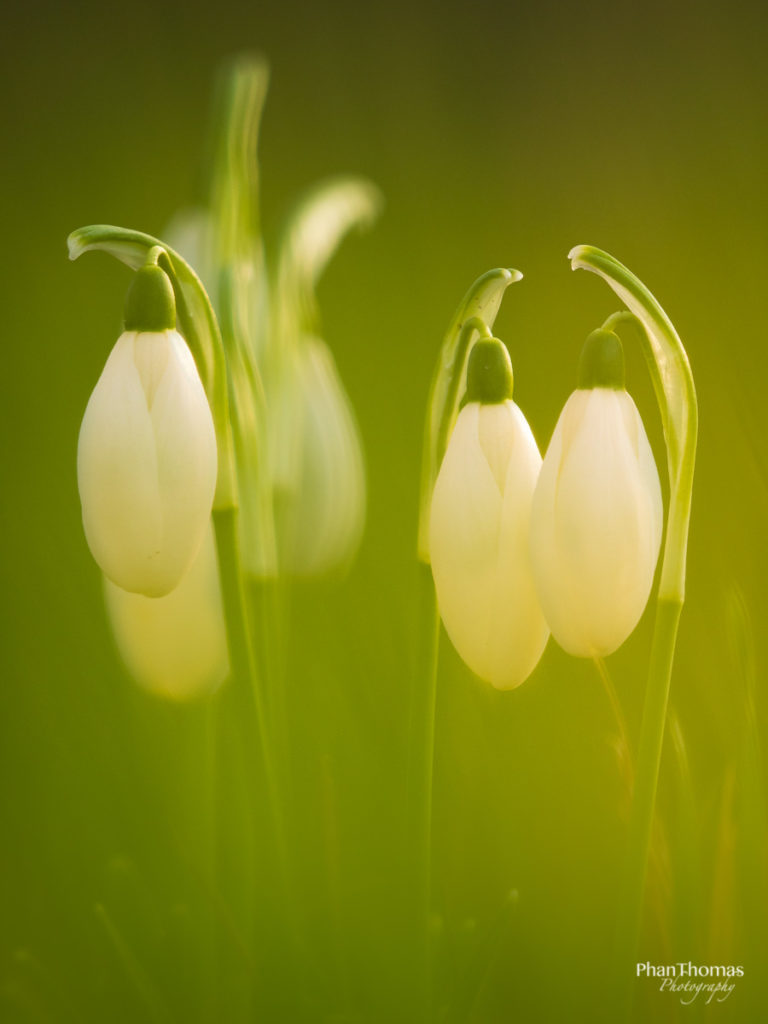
pixel 522 547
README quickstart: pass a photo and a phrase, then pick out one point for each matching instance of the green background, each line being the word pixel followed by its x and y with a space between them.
pixel 500 135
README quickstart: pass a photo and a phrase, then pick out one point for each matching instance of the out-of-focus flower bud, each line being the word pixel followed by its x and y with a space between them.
pixel 174 646
pixel 317 460
pixel 479 521
pixel 597 513
pixel 146 457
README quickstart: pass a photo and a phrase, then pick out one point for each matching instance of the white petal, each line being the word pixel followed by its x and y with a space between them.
pixel 479 544
pixel 186 461
pixel 596 523
pixel 117 468
pixel 174 646
pixel 147 463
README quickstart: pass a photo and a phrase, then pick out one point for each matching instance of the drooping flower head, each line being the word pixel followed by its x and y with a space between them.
pixel 479 522
pixel 146 457
pixel 597 512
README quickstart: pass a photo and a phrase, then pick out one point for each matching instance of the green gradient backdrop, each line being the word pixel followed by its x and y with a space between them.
pixel 500 135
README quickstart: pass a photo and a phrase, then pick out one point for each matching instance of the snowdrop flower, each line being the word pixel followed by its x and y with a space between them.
pixel 174 646
pixel 318 465
pixel 146 456
pixel 479 521
pixel 597 513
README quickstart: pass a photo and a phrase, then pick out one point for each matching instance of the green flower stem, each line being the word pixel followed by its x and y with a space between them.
pixel 676 396
pixel 644 801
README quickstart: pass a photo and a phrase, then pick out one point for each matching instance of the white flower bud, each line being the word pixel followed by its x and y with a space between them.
pixel 146 463
pixel 479 550
pixel 317 460
pixel 597 522
pixel 174 646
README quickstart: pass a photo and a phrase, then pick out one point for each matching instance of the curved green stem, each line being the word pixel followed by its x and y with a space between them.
pixel 676 397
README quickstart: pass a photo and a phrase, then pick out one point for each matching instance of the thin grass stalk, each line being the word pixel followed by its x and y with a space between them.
pixel 420 783
pixel 266 822
pixel 157 1011
pixel 241 649
pixel 268 605
pixel 244 663
pixel 624 750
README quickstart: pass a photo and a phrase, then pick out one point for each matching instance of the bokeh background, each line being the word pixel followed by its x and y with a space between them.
pixel 500 134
